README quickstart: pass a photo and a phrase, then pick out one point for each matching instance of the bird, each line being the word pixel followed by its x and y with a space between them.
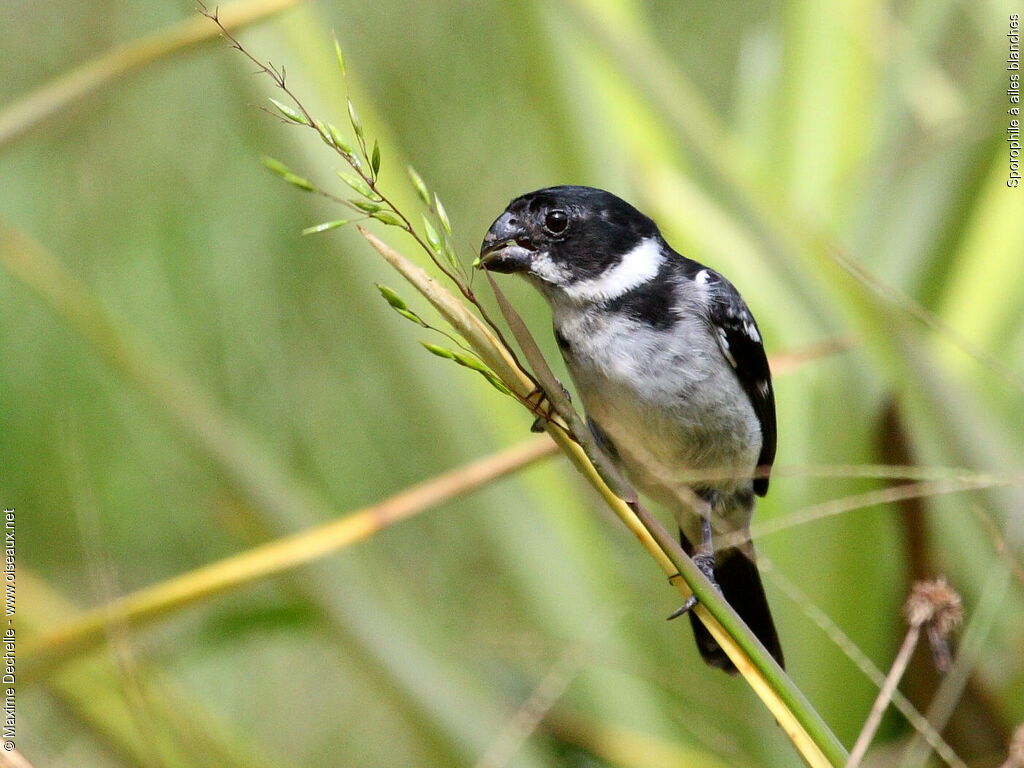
pixel 670 367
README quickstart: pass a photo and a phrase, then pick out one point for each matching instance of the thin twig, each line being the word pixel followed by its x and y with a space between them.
pixel 278 76
pixel 274 557
pixel 786 361
pixel 988 609
pixel 863 472
pixel 876 498
pixel 934 607
pixel 926 317
pixel 860 659
pixel 899 666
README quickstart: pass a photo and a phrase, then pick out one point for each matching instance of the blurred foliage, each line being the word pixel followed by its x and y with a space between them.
pixel 768 140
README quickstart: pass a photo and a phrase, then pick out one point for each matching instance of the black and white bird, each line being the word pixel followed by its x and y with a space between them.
pixel 669 364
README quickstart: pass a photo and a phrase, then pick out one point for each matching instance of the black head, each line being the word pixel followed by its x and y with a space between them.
pixel 561 236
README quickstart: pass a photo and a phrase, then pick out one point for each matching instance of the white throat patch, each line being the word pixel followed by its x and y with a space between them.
pixel 636 268
pixel 547 270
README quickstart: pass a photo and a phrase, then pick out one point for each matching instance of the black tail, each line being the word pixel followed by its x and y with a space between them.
pixel 741 585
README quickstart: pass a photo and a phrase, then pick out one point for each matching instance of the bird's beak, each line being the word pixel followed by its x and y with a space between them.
pixel 505 248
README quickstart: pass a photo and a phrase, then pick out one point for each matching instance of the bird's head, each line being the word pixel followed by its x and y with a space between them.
pixel 580 243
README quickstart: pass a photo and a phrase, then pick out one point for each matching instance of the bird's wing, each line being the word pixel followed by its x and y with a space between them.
pixel 740 341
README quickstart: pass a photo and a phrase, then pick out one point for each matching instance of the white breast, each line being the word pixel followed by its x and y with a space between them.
pixel 666 398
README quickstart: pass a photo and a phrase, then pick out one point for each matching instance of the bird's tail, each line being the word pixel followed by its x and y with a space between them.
pixel 740 581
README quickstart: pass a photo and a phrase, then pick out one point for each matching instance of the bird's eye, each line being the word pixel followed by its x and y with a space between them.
pixel 556 222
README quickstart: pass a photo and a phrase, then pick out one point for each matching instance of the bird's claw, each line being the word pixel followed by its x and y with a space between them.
pixel 542 416
pixel 705 561
pixel 684 608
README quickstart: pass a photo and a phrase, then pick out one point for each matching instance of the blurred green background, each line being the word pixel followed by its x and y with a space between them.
pixel 520 625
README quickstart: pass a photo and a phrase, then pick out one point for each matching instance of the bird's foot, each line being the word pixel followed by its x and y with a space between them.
pixel 704 559
pixel 542 408
pixel 706 564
